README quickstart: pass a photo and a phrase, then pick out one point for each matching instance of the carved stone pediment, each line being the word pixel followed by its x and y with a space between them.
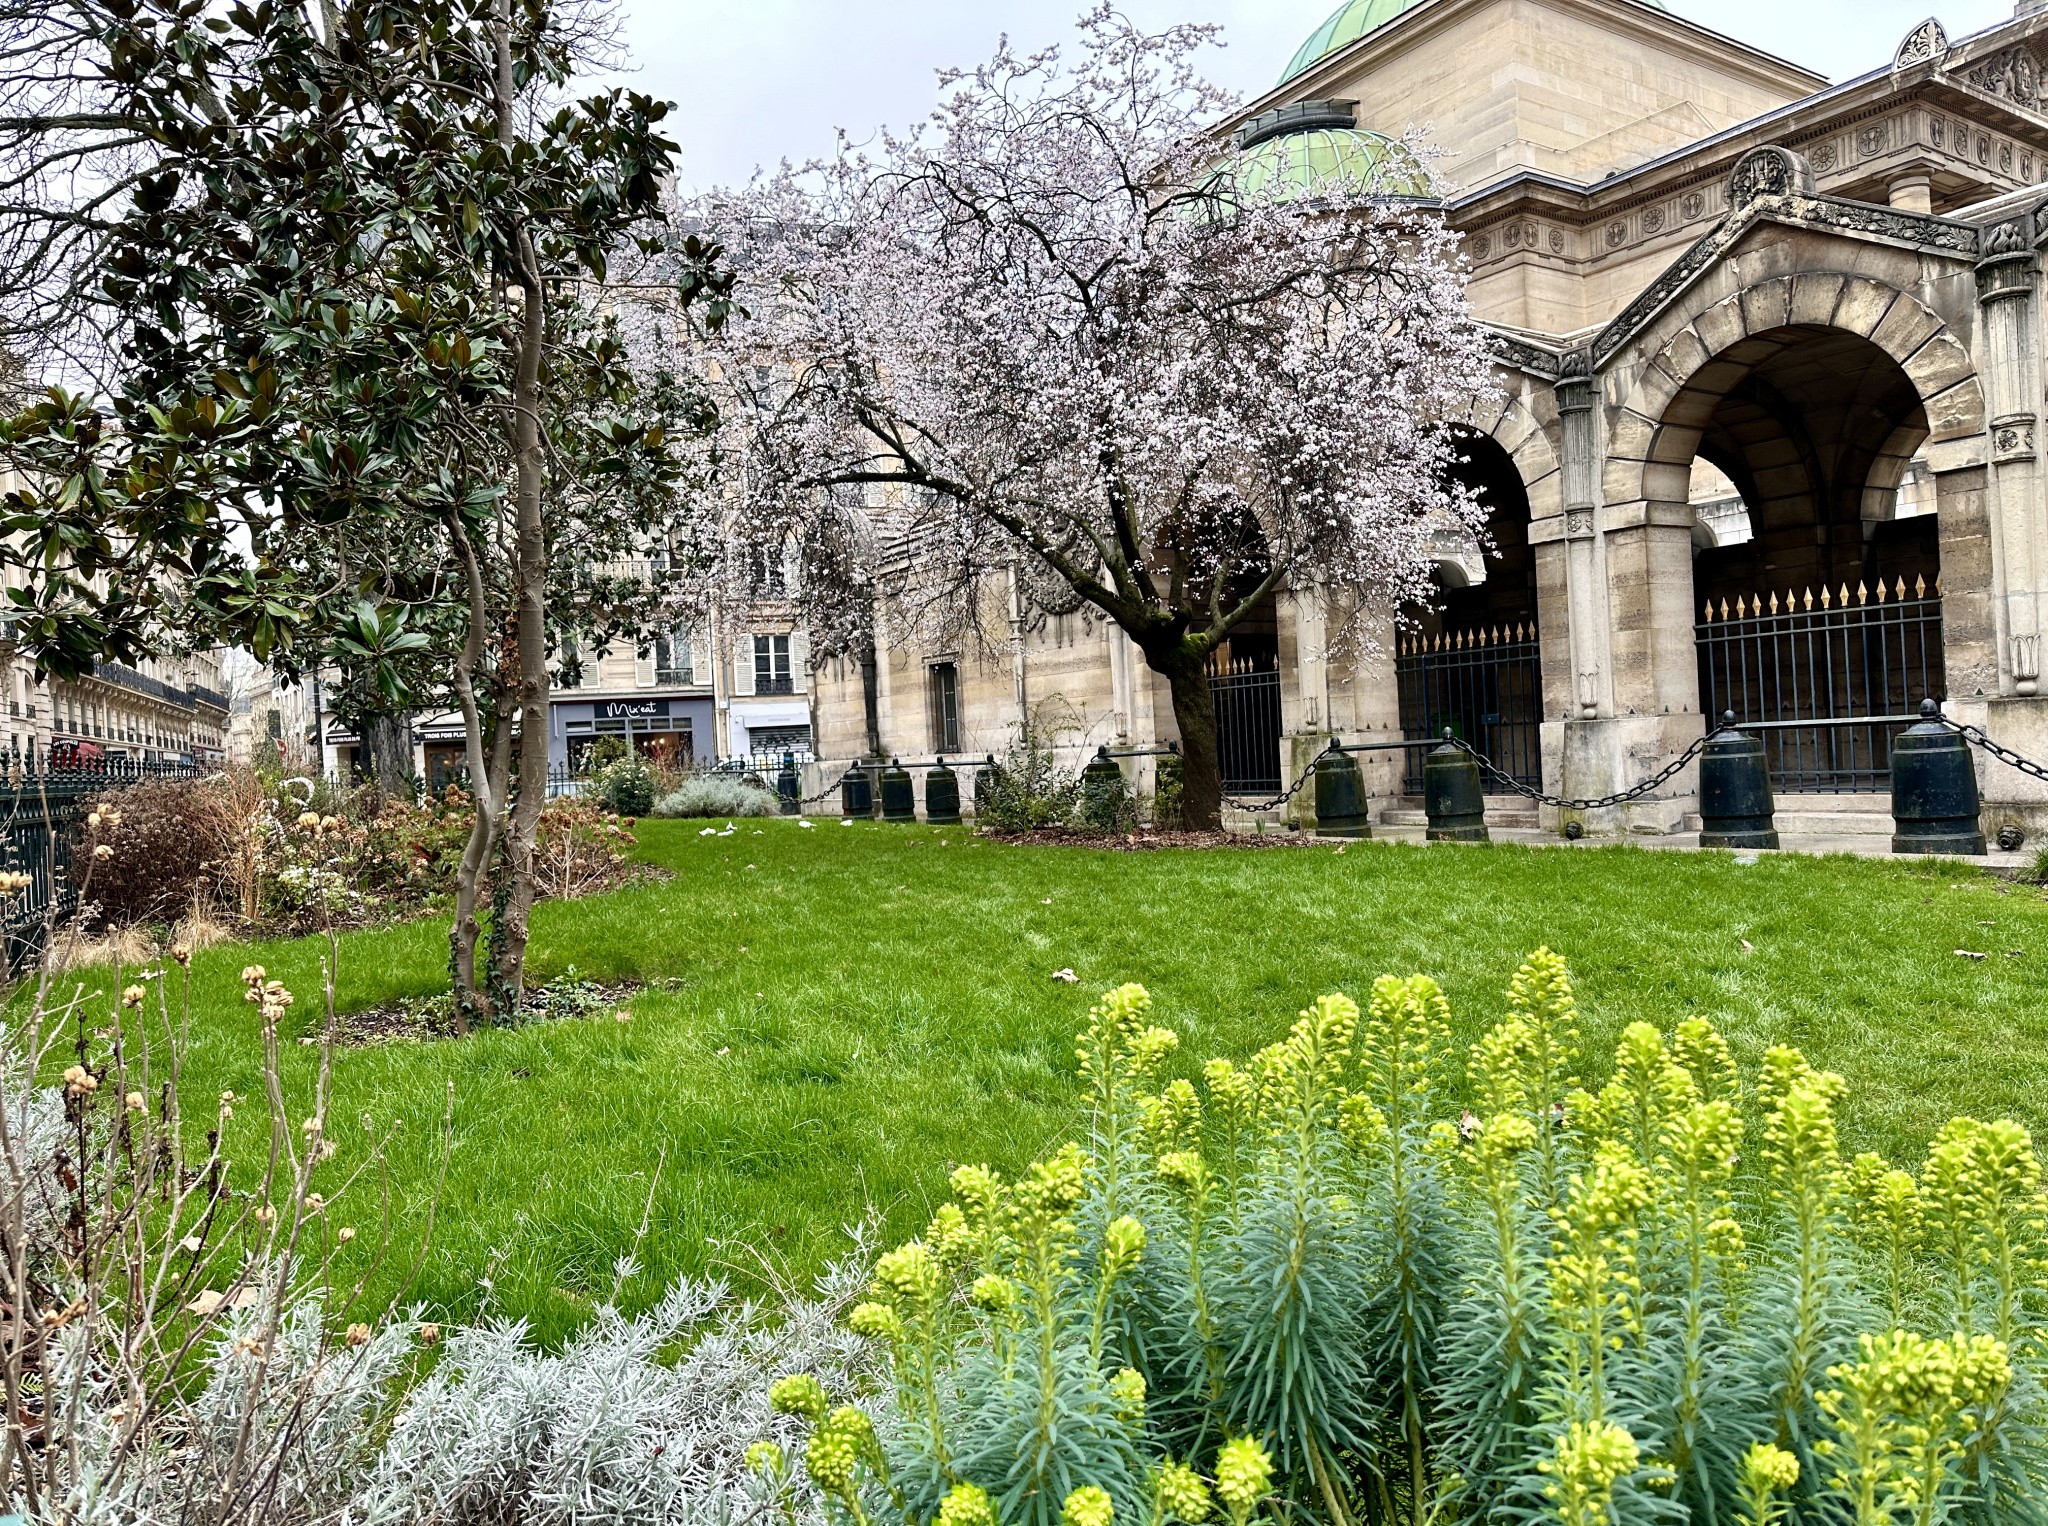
pixel 1768 171
pixel 1928 40
pixel 2013 75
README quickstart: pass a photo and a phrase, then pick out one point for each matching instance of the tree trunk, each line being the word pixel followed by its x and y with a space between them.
pixel 387 750
pixel 529 598
pixel 529 581
pixel 1194 711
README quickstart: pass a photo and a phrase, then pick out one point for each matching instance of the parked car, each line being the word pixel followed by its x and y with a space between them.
pixel 80 755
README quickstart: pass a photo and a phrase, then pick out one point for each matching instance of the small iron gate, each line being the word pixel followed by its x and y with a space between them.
pixel 1485 686
pixel 1247 699
pixel 1823 658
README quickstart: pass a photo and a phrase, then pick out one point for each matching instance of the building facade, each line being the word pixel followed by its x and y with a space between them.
pixel 1770 407
pixel 732 689
pixel 162 710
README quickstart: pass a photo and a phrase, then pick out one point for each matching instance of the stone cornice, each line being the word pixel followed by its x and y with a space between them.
pixel 1651 26
pixel 1931 235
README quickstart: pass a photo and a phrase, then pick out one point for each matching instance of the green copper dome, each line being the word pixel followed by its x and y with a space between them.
pixel 1299 162
pixel 1351 21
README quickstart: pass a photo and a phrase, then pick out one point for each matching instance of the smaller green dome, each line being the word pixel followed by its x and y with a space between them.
pixel 1299 162
pixel 1351 21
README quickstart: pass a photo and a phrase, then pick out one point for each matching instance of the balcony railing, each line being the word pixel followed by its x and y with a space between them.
pixel 125 677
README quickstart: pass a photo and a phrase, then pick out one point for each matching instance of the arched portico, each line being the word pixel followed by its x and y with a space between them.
pixel 1469 660
pixel 1813 390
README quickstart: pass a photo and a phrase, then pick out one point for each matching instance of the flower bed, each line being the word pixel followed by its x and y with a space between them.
pixel 285 857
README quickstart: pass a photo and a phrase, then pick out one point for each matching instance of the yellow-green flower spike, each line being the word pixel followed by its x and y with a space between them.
pixel 1087 1506
pixel 1769 1469
pixel 1583 1468
pixel 993 1293
pixel 801 1394
pixel 1182 1494
pixel 966 1505
pixel 875 1322
pixel 1127 1389
pixel 1243 1475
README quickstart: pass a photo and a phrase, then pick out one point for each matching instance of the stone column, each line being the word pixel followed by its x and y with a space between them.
pixel 1636 673
pixel 1913 192
pixel 1585 591
pixel 2009 362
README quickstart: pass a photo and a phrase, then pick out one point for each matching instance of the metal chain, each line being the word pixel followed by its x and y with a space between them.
pixel 2004 754
pixel 830 788
pixel 1515 785
pixel 1291 791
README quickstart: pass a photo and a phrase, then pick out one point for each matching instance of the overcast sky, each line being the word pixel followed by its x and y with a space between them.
pixel 760 80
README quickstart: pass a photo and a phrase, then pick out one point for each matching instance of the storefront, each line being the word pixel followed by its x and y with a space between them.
pixel 673 731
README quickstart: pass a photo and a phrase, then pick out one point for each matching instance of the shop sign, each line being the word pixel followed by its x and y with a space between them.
pixel 632 710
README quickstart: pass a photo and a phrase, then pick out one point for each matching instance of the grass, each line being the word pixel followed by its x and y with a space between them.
pixel 857 1009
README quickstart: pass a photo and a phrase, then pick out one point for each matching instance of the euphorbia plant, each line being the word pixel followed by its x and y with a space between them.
pixel 1589 1303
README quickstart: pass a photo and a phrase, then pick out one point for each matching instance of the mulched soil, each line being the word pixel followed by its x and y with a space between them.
pixel 424 1018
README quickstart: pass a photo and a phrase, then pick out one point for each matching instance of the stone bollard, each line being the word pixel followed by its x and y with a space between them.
pixel 1934 789
pixel 899 793
pixel 1343 809
pixel 942 796
pixel 1453 797
pixel 856 793
pixel 1736 806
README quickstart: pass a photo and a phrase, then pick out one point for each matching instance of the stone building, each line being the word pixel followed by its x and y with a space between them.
pixel 165 709
pixel 1770 351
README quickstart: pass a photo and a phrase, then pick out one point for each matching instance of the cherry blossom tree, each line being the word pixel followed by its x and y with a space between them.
pixel 1078 348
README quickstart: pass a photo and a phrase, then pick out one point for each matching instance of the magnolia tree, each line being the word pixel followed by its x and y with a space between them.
pixel 1087 360
pixel 371 391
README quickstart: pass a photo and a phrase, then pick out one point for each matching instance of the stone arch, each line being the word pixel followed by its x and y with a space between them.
pixel 1513 425
pixel 1812 390
pixel 1655 433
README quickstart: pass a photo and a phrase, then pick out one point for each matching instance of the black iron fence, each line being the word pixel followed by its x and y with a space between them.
pixel 1483 686
pixel 1823 658
pixel 1247 700
pixel 761 767
pixel 42 799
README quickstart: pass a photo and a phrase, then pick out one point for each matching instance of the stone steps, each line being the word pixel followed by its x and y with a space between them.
pixel 1507 812
pixel 1828 816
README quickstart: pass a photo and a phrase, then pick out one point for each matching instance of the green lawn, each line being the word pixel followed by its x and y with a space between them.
pixel 860 1008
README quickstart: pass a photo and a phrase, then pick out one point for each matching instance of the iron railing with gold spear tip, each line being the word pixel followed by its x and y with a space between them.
pixel 1484 685
pixel 1832 658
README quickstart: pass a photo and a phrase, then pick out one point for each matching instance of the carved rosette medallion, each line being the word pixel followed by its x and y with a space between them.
pixel 1578 523
pixel 2012 439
